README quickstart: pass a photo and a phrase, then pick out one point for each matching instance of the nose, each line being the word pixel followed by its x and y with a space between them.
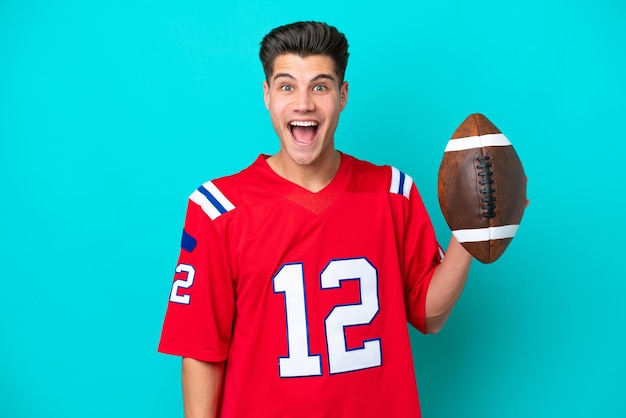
pixel 304 101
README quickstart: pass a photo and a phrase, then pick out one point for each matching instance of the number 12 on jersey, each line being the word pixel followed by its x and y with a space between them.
pixel 300 362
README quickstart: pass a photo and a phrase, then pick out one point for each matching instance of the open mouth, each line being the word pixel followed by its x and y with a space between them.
pixel 303 132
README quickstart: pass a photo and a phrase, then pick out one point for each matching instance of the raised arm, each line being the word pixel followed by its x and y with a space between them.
pixel 202 384
pixel 446 286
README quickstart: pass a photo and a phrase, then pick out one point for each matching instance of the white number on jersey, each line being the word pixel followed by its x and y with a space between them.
pixel 290 281
pixel 184 283
pixel 339 358
pixel 300 362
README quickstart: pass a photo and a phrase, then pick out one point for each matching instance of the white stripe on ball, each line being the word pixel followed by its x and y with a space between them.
pixel 490 140
pixel 485 234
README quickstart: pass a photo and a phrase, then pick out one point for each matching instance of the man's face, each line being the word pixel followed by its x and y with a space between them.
pixel 305 97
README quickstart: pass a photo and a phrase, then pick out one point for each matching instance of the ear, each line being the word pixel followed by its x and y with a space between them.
pixel 343 92
pixel 266 94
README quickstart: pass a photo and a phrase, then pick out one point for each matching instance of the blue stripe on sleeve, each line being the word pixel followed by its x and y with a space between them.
pixel 401 185
pixel 212 199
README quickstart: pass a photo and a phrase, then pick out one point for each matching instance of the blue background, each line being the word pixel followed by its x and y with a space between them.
pixel 111 113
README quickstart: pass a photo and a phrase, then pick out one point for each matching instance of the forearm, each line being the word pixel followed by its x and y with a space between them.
pixel 446 286
pixel 202 383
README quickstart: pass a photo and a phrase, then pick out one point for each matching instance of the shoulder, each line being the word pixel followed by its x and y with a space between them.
pixel 381 177
pixel 223 194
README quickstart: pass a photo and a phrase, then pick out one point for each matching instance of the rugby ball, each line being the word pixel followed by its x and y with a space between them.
pixel 481 188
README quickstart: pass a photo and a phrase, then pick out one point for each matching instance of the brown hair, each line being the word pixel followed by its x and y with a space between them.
pixel 304 39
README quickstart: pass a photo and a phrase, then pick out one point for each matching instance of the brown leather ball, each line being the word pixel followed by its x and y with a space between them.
pixel 482 188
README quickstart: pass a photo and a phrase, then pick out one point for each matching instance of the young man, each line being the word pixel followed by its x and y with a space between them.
pixel 297 275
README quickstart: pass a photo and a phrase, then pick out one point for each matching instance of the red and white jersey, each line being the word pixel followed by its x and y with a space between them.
pixel 305 295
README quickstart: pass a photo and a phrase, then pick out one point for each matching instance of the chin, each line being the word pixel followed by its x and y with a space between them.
pixel 304 159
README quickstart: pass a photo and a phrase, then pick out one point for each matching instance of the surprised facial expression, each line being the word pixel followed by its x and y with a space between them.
pixel 305 97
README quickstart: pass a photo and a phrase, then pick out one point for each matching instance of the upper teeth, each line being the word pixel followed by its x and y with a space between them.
pixel 303 123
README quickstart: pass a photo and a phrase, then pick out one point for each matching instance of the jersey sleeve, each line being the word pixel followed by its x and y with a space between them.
pixel 201 306
pixel 421 256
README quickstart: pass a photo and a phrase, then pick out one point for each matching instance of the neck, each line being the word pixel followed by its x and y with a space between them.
pixel 313 177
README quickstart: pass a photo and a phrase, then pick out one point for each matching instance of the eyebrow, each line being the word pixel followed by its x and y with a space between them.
pixel 322 76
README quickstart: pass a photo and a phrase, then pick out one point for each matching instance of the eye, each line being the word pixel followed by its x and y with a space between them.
pixel 320 88
pixel 286 87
